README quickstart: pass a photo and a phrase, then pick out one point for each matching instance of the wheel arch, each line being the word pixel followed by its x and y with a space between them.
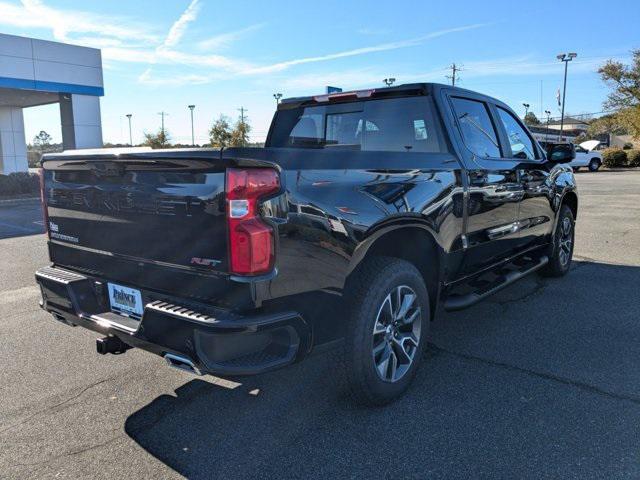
pixel 414 243
pixel 571 200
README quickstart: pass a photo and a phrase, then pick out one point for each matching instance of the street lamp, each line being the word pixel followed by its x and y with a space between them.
pixel 526 110
pixel 389 81
pixel 548 113
pixel 566 58
pixel 193 138
pixel 128 115
pixel 277 96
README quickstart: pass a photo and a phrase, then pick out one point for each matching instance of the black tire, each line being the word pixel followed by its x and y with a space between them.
pixel 368 293
pixel 561 249
pixel 594 165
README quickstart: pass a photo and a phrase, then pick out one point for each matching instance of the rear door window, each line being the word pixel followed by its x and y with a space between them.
pixel 476 127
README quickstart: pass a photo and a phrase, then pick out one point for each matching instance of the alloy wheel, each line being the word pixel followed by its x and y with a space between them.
pixel 566 241
pixel 396 333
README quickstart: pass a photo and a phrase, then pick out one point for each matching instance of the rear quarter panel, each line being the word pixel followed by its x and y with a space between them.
pixel 337 203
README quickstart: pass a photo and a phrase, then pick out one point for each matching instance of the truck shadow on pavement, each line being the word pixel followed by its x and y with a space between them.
pixel 540 380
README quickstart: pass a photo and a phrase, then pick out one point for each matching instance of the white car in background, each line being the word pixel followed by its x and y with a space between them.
pixel 586 156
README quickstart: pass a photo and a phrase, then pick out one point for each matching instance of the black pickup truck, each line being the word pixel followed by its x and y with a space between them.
pixel 365 214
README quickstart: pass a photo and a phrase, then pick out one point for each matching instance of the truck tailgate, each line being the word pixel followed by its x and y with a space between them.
pixel 155 219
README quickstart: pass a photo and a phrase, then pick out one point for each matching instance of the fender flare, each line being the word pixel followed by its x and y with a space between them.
pixel 379 231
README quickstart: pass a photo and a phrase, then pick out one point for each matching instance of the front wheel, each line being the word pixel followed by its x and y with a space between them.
pixel 594 165
pixel 561 250
pixel 389 319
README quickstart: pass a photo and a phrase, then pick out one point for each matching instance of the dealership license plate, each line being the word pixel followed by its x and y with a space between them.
pixel 125 300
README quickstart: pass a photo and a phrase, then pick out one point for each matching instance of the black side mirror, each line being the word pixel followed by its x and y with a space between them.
pixel 561 152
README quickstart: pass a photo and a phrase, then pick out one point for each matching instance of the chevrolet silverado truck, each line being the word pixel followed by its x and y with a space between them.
pixel 365 215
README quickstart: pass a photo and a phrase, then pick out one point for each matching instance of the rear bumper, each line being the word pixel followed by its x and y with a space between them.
pixel 214 340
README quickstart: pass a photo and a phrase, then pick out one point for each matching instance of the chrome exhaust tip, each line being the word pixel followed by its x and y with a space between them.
pixel 182 363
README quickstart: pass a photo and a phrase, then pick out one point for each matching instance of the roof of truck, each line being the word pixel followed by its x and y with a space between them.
pixel 423 88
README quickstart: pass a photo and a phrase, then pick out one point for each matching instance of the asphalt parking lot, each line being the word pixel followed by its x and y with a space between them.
pixel 540 381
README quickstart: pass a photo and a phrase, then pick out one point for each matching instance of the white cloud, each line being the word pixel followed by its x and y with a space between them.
pixel 223 40
pixel 316 82
pixel 179 27
pixel 64 23
pixel 373 31
pixel 175 80
pixel 124 40
pixel 117 54
pixel 276 67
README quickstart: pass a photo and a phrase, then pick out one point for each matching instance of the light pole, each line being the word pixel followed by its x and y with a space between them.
pixel 389 81
pixel 193 138
pixel 566 58
pixel 526 110
pixel 128 115
pixel 546 137
pixel 277 96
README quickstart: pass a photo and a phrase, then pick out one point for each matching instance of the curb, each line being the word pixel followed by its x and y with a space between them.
pixel 18 201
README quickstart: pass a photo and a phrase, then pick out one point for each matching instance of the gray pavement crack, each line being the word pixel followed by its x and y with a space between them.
pixel 534 373
pixel 52 407
pixel 69 454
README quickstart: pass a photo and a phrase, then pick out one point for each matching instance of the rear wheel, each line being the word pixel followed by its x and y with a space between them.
pixel 561 250
pixel 389 319
pixel 594 165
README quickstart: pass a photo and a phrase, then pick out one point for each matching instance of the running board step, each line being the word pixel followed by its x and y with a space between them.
pixel 459 302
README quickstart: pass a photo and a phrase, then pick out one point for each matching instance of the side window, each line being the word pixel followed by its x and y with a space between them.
pixel 519 139
pixel 476 127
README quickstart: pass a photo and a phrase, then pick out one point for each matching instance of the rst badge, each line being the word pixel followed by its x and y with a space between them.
pixel 204 262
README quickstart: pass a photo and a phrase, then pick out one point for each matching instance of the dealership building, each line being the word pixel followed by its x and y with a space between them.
pixel 38 72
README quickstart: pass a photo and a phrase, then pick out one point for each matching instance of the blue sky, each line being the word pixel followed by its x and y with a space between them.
pixel 224 54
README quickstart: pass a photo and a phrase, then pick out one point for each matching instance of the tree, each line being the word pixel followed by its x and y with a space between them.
pixel 42 141
pixel 583 137
pixel 240 134
pixel 606 125
pixel 624 80
pixel 157 140
pixel 220 133
pixel 531 119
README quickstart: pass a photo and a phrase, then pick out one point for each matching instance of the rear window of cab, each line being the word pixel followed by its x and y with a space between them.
pixel 388 125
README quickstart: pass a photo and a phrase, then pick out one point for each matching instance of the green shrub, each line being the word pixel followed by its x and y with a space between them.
pixel 633 158
pixel 33 158
pixel 614 158
pixel 19 183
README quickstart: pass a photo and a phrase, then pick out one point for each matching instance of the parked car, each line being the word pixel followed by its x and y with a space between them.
pixel 587 156
pixel 365 212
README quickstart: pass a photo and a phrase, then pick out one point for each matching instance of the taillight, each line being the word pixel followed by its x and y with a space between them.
pixel 251 242
pixel 43 201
